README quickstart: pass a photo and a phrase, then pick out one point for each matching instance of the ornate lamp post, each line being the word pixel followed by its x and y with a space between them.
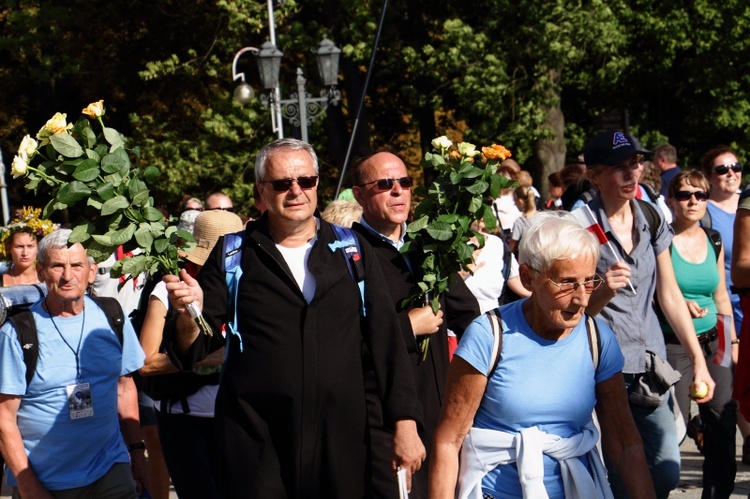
pixel 301 109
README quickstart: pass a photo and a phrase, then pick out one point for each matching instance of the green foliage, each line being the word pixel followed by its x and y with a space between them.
pixel 442 226
pixel 102 179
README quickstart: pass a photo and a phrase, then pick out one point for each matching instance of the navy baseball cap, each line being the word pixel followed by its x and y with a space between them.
pixel 611 148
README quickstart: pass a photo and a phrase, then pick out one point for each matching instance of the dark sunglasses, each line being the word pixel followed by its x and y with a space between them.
pixel 386 184
pixel 230 209
pixel 284 184
pixel 686 195
pixel 723 169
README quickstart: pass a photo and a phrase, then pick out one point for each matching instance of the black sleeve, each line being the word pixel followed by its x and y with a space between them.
pixel 461 307
pixel 212 282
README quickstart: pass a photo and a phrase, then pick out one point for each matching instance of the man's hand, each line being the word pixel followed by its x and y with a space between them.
pixel 423 321
pixel 139 467
pixel 183 289
pixel 407 450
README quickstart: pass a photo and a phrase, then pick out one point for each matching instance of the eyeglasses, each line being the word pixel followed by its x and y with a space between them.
pixel 723 169
pixel 230 209
pixel 589 285
pixel 284 184
pixel 386 184
pixel 686 195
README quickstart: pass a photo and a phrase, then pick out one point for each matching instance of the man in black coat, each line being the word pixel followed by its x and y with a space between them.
pixel 382 187
pixel 291 410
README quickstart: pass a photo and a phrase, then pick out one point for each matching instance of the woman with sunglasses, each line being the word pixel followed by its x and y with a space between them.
pixel 724 173
pixel 637 268
pixel 699 269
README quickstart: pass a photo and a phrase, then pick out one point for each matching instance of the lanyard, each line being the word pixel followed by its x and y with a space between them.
pixel 77 351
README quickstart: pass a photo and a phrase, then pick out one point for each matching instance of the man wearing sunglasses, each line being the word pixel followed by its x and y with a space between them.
pixel 382 186
pixel 291 408
pixel 665 158
pixel 219 201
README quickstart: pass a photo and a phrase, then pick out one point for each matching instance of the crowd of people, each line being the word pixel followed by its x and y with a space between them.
pixel 562 363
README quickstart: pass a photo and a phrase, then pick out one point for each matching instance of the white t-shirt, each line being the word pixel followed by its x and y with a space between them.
pixel 487 282
pixel 296 258
pixel 203 401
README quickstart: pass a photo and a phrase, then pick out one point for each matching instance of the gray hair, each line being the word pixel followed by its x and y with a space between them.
pixel 554 236
pixel 57 239
pixel 288 144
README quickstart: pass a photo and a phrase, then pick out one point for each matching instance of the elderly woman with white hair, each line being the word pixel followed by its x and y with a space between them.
pixel 519 400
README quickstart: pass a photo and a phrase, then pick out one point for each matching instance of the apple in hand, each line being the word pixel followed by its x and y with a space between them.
pixel 698 390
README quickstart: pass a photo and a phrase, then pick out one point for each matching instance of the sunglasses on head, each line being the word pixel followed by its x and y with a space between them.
pixel 284 184
pixel 386 184
pixel 686 195
pixel 723 169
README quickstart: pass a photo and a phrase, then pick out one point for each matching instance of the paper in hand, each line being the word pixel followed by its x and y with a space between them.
pixel 403 491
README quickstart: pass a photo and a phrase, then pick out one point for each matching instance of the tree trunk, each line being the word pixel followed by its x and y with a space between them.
pixel 549 154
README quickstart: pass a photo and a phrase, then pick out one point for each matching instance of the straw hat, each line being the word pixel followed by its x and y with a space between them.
pixel 209 227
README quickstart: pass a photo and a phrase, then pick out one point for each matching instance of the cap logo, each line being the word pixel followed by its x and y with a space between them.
pixel 619 139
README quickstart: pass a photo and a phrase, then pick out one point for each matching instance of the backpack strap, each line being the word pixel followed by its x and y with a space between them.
pixel 26 331
pixel 232 272
pixel 113 310
pixel 595 341
pixel 347 242
pixel 592 330
pixel 706 220
pixel 497 342
pixel 23 323
pixel 715 239
pixel 653 218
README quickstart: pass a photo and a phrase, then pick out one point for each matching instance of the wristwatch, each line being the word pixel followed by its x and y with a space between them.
pixel 137 446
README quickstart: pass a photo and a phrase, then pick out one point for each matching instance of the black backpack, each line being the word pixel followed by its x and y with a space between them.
pixel 25 327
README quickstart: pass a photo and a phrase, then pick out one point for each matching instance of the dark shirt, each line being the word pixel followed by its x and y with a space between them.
pixel 666 178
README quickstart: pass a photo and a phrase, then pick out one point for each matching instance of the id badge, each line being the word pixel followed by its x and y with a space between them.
pixel 80 404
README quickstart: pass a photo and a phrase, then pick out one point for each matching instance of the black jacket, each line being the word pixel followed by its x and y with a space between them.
pixel 459 308
pixel 291 410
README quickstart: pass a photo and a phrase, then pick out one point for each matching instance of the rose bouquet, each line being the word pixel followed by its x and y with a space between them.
pixel 102 179
pixel 442 228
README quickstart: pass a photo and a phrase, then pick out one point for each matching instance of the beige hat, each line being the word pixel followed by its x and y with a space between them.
pixel 209 227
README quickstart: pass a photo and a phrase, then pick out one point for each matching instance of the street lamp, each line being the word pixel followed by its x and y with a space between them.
pixel 301 109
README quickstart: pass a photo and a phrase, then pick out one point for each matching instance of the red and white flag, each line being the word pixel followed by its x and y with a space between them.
pixel 589 221
pixel 723 356
pixel 586 217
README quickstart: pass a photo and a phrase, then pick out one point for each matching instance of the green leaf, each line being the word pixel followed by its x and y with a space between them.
pixel 473 172
pixel 112 136
pixel 106 191
pixel 151 214
pixel 90 137
pixel 91 154
pixel 123 236
pixel 161 244
pixel 151 174
pixel 475 204
pixel 66 145
pixel 489 218
pixel 105 240
pixel 73 192
pixel 81 233
pixel 478 187
pixel 87 171
pixel 144 237
pixel 94 203
pixel 141 198
pixel 440 231
pixel 114 162
pixel 115 204
pixel 449 218
pixel 418 224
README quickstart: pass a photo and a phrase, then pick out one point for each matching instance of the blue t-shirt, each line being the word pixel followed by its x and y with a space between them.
pixel 67 453
pixel 538 382
pixel 723 223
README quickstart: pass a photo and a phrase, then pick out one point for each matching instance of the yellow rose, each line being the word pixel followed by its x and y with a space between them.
pixel 95 109
pixel 467 149
pixel 27 148
pixel 441 142
pixel 18 169
pixel 496 152
pixel 55 125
